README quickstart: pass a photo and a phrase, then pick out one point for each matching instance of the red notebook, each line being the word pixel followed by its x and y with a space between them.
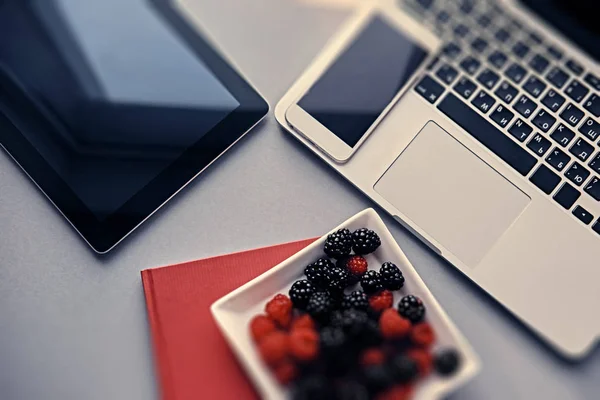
pixel 193 360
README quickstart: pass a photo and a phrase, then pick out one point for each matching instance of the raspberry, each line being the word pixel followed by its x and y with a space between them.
pixel 391 276
pixel 261 326
pixel 423 359
pixel 422 335
pixel 279 308
pixel 357 265
pixel 338 244
pixel 371 282
pixel 397 392
pixel 365 241
pixel 372 356
pixel 274 348
pixel 392 325
pixel 446 362
pixel 286 372
pixel 412 308
pixel 304 344
pixel 304 321
pixel 381 301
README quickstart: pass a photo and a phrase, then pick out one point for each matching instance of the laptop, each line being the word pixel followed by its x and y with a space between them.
pixel 475 124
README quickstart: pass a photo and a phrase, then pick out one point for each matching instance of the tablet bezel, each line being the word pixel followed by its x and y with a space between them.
pixel 103 235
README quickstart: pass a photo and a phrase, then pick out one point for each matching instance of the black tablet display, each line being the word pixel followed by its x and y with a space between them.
pixel 111 107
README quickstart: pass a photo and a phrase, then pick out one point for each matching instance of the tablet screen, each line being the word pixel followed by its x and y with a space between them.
pixel 121 94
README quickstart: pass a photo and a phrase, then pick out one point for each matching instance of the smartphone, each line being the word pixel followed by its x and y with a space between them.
pixel 359 77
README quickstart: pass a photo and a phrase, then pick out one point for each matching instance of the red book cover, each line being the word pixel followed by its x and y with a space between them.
pixel 192 358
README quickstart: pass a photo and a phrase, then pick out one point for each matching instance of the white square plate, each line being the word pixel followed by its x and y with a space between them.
pixel 234 311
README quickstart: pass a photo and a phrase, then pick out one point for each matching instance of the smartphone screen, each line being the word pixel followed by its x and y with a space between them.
pixel 361 83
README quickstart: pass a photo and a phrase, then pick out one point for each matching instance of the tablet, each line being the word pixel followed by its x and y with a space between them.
pixel 112 107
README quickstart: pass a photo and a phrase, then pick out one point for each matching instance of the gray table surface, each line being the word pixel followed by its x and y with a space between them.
pixel 74 325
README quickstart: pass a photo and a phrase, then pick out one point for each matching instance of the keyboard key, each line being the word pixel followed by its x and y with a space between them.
pixel 515 72
pixel 451 50
pixel 539 63
pixel 595 164
pixel 593 188
pixel 581 149
pixel 543 120
pixel 592 80
pixel 555 52
pixel 502 35
pixel 483 101
pixel 567 196
pixel 461 30
pixel 535 38
pixel 545 179
pixel 442 18
pixel 479 45
pixel 558 159
pixel 447 73
pixel 534 86
pixel 577 174
pixel 497 59
pixel 583 215
pixel 487 134
pixel 574 67
pixel 466 6
pixel 562 135
pixel 465 87
pixel 592 104
pixel 576 91
pixel 424 3
pixel 470 65
pixel 525 106
pixel 433 63
pixel 572 115
pixel 557 77
pixel 501 116
pixel 506 92
pixel 553 100
pixel 488 78
pixel 539 144
pixel 596 227
pixel 484 20
pixel 520 130
pixel 429 89
pixel 520 49
pixel 590 128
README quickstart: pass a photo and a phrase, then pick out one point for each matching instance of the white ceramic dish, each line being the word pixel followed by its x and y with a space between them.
pixel 234 311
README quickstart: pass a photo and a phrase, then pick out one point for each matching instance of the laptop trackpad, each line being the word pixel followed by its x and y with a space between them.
pixel 451 194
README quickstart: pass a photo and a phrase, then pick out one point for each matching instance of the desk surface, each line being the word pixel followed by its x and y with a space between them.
pixel 73 325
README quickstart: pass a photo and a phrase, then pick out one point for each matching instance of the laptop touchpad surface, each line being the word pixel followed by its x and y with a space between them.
pixel 452 194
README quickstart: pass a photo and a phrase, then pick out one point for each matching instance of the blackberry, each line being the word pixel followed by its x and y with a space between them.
pixel 318 272
pixel 446 362
pixel 352 322
pixel 300 293
pixel 404 369
pixel 391 276
pixel 371 282
pixel 332 340
pixel 337 280
pixel 313 387
pixel 365 241
pixel 351 390
pixel 378 378
pixel 320 306
pixel 370 335
pixel 357 300
pixel 412 308
pixel 338 244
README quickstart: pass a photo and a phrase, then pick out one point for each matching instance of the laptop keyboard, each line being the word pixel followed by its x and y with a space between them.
pixel 519 95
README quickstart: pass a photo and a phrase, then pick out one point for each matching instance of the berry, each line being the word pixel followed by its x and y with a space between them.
pixel 372 356
pixel 351 390
pixel 318 272
pixel 279 308
pixel 274 348
pixel 332 340
pixel 422 335
pixel 286 372
pixel 423 360
pixel 304 344
pixel 300 292
pixel 356 265
pixel 391 276
pixel 371 282
pixel 304 321
pixel 261 326
pixel 313 387
pixel 412 308
pixel 392 325
pixel 371 336
pixel 338 244
pixel 404 368
pixel 381 301
pixel 357 300
pixel 320 306
pixel 351 321
pixel 397 392
pixel 365 241
pixel 377 378
pixel 446 362
pixel 338 280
